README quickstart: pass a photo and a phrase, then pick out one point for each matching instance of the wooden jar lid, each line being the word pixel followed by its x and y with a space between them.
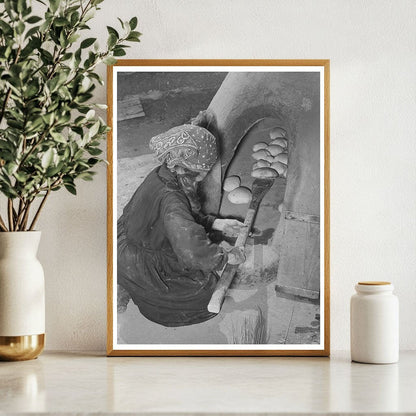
pixel 374 283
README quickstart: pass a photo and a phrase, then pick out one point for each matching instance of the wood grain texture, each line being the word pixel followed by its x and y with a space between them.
pixel 130 107
pixel 325 320
pixel 110 214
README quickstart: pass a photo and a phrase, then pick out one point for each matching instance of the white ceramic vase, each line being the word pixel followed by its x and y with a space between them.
pixel 22 296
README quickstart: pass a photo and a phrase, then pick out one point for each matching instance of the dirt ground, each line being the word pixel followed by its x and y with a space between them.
pixel 168 100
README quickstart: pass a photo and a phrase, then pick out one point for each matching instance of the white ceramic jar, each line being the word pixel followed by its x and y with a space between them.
pixel 374 323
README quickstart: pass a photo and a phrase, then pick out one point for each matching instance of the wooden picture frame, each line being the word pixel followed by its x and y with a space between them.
pixel 295 95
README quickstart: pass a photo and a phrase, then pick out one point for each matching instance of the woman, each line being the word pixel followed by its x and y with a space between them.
pixel 166 262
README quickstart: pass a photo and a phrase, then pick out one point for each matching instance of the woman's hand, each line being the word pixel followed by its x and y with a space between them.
pixel 229 227
pixel 236 256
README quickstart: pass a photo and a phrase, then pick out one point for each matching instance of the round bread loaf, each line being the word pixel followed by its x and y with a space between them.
pixel 261 154
pixel 279 167
pixel 280 142
pixel 261 164
pixel 275 149
pixel 263 173
pixel 277 132
pixel 259 146
pixel 231 183
pixel 281 158
pixel 240 195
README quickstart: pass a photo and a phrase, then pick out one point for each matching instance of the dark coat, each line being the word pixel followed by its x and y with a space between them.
pixel 165 259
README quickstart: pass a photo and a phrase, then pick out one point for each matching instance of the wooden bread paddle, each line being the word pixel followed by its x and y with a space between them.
pixel 260 188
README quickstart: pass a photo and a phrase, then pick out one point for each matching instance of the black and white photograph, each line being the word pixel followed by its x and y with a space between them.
pixel 219 208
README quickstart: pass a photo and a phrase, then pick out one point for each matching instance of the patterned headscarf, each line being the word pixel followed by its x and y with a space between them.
pixel 189 146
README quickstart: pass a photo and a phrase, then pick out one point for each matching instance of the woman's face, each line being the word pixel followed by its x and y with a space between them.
pixel 193 175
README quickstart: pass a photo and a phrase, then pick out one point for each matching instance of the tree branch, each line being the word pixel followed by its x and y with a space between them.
pixel 10 213
pixel 39 209
pixel 20 213
pixel 26 216
pixel 2 224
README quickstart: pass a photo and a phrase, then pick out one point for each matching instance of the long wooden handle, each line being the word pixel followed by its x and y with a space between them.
pixel 220 291
pixel 248 222
pixel 230 270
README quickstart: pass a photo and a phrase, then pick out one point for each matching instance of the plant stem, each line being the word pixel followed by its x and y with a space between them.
pixel 39 209
pixel 16 219
pixel 20 213
pixel 26 216
pixel 10 213
pixel 2 224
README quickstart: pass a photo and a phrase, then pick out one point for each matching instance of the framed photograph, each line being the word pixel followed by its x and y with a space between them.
pixel 218 207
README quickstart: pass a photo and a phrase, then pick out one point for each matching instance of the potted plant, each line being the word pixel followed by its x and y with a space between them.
pixel 50 136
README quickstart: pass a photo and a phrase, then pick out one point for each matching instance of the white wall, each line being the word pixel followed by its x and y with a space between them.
pixel 371 45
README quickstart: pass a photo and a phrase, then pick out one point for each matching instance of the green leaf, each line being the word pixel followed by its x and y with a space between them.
pixel 111 30
pixel 70 188
pixel 35 125
pixel 94 129
pixel 134 36
pixel 47 158
pixel 60 138
pixel 67 56
pixel 90 115
pixel 20 28
pixel 67 153
pixel 31 90
pixel 33 19
pixel 21 5
pixel 73 38
pixel 48 118
pixel 92 161
pixel 53 83
pixel 52 171
pixel 5 28
pixel 94 151
pixel 74 18
pixel 82 98
pixel 26 11
pixel 132 39
pixel 61 21
pixel 87 42
pixel 110 60
pixel 112 41
pixel 10 8
pixel 133 23
pixel 54 4
pixel 32 31
pixel 121 23
pixel 86 176
pixel 88 16
pixel 8 191
pixel 11 168
pixel 119 52
pixel 21 177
